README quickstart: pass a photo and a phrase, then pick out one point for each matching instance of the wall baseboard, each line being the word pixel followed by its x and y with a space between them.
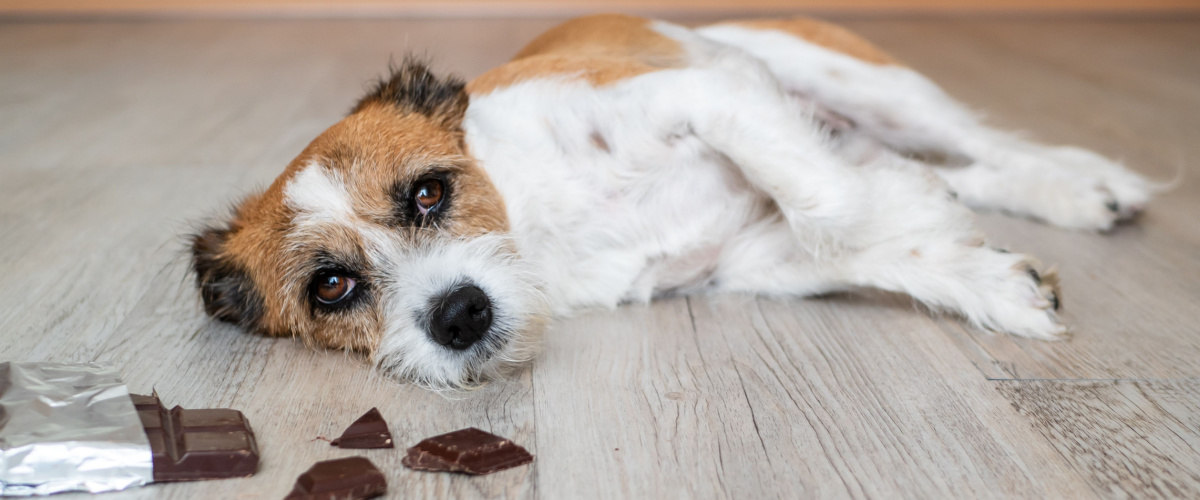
pixel 562 8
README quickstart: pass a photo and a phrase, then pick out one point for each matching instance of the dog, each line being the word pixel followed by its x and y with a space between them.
pixel 441 225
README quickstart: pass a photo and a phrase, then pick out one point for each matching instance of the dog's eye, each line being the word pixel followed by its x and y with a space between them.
pixel 427 195
pixel 332 288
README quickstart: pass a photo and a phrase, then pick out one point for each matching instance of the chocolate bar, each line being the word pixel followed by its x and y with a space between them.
pixel 369 431
pixel 348 478
pixel 190 445
pixel 469 451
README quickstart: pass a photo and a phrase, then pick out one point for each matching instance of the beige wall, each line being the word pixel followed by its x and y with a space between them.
pixel 306 8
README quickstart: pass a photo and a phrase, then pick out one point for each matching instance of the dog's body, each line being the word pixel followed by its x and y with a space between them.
pixel 617 159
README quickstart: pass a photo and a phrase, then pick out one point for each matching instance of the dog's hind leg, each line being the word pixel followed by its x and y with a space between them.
pixel 890 224
pixel 900 108
pixel 909 238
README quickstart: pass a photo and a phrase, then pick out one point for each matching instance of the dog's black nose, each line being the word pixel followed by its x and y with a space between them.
pixel 461 318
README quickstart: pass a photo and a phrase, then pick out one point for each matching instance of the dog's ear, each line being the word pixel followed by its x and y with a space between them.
pixel 414 88
pixel 228 292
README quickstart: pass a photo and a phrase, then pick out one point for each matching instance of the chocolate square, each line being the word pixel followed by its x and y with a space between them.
pixel 470 451
pixel 350 478
pixel 369 431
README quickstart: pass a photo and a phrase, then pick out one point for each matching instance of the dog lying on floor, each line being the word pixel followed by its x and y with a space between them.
pixel 439 225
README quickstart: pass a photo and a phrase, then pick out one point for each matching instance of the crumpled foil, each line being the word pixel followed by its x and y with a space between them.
pixel 68 427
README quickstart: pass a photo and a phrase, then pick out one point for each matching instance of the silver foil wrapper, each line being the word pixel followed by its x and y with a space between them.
pixel 68 427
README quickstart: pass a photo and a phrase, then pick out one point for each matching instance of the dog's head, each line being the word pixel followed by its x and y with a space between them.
pixel 382 236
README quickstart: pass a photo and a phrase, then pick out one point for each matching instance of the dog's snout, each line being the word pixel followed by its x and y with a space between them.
pixel 461 318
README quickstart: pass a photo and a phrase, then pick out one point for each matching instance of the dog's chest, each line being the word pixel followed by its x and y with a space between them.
pixel 610 203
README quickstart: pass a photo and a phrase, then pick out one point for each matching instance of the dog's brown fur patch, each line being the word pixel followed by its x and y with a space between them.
pixel 598 71
pixel 600 49
pixel 830 36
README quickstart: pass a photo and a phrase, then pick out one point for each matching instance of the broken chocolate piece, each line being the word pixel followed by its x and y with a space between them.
pixel 348 478
pixel 369 431
pixel 470 451
pixel 190 445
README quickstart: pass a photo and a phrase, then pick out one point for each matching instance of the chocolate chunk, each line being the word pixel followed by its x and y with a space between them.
pixel 190 445
pixel 470 451
pixel 348 478
pixel 369 431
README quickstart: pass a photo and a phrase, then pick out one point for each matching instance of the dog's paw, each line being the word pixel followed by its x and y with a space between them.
pixel 1078 202
pixel 1064 186
pixel 1048 187
pixel 1084 203
pixel 1128 191
pixel 1024 301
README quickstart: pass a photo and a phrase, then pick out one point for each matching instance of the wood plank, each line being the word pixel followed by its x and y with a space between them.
pixel 1129 439
pixel 776 399
pixel 640 410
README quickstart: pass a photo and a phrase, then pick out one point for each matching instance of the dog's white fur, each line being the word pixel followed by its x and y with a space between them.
pixel 722 176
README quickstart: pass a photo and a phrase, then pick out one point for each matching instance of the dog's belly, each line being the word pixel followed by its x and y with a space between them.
pixel 609 205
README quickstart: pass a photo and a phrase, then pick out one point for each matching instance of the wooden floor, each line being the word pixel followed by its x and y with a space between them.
pixel 114 137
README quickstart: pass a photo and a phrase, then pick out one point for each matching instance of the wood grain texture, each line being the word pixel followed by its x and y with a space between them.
pixel 1130 439
pixel 776 399
pixel 114 137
